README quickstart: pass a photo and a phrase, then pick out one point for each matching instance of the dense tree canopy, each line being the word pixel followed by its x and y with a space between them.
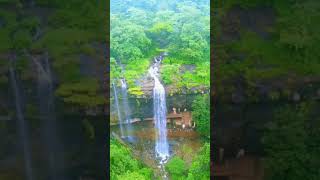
pixel 176 167
pixel 142 29
pixel 124 166
pixel 290 144
pixel 201 115
pixel 128 40
pixel 198 169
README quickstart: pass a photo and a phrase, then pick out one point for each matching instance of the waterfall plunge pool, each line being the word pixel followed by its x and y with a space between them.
pixel 142 139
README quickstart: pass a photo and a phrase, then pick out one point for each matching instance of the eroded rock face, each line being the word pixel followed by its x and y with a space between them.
pixel 257 20
pixel 147 85
pixel 147 82
pixel 143 107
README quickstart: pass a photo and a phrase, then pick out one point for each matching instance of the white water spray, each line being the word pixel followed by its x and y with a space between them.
pixel 117 107
pixel 22 126
pixel 160 111
pixel 125 106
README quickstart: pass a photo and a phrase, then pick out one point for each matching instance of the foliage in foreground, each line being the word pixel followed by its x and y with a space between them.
pixel 292 144
pixel 198 170
pixel 176 167
pixel 123 166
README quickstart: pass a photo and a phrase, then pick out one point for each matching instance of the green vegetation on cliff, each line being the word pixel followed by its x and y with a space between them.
pixel 259 42
pixel 65 30
pixel 201 115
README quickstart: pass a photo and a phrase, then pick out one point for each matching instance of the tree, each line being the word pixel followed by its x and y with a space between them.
pixel 141 29
pixel 288 153
pixel 123 166
pixel 201 115
pixel 200 167
pixel 161 32
pixel 176 168
pixel 192 45
pixel 83 93
pixel 128 41
pixel 170 73
pixel 139 16
pixel 132 176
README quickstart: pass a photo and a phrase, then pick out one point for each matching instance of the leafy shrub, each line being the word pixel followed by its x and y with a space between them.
pixel 176 168
pixel 124 166
pixel 21 40
pixel 170 73
pixel 200 167
pixel 83 93
pixel 201 114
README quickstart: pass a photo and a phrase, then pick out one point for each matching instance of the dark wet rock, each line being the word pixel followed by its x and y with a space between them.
pixel 91 66
pixel 263 89
pixel 142 108
pixel 86 178
pixel 147 85
pixel 257 20
pixel 296 97
pixel 187 67
pixel 318 94
pixel 2 22
pixel 37 34
pixel 87 65
pixel 238 97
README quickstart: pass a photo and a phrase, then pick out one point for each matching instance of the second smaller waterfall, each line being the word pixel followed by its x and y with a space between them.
pixel 125 106
pixel 116 100
pixel 22 126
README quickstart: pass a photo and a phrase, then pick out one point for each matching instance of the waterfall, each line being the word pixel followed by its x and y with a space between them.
pixel 160 111
pixel 116 100
pixel 47 114
pixel 23 132
pixel 125 106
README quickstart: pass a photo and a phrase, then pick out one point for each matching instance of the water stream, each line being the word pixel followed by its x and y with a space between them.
pixel 125 106
pixel 118 109
pixel 160 111
pixel 48 117
pixel 23 131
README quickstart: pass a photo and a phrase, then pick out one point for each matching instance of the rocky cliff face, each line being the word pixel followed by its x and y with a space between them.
pixel 143 107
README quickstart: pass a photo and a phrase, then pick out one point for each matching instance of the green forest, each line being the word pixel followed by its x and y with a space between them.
pixel 179 31
pixel 142 29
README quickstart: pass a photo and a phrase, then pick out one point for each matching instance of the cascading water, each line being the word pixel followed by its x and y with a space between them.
pixel 47 114
pixel 22 126
pixel 160 111
pixel 116 100
pixel 125 106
